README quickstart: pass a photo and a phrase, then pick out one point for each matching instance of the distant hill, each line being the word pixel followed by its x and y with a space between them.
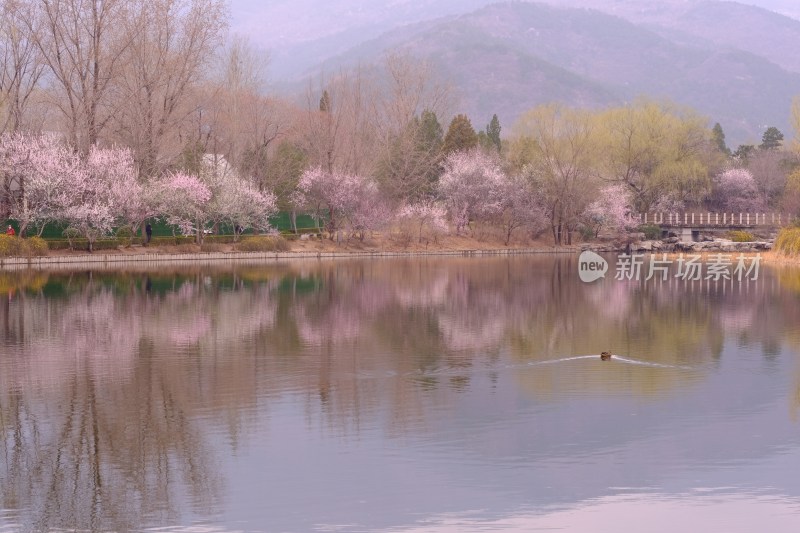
pixel 506 58
pixel 714 23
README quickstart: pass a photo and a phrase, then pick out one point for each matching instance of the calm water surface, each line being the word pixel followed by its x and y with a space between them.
pixel 397 396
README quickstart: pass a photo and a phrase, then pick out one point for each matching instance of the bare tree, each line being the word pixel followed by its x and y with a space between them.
pixel 20 64
pixel 172 45
pixel 408 134
pixel 83 43
pixel 337 126
pixel 248 120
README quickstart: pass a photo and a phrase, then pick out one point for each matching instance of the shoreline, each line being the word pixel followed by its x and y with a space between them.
pixel 113 260
pixel 98 259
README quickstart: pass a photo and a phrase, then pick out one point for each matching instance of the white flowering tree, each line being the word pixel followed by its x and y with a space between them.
pixel 471 187
pixel 735 190
pixel 612 211
pixel 183 200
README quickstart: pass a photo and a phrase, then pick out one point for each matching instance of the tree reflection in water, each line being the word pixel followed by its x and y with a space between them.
pixel 115 385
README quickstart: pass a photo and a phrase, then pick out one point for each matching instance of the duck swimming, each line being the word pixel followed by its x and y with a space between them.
pixel 605 356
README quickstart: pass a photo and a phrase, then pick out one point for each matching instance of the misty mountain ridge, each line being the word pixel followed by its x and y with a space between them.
pixel 506 58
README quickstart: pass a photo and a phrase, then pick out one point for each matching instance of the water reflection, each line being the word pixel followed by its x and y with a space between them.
pixel 136 398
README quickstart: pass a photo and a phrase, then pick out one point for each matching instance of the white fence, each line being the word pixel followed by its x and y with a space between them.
pixel 706 219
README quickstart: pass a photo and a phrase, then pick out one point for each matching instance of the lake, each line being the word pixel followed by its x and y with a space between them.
pixel 398 395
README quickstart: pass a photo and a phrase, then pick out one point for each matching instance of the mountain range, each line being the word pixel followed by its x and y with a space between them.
pixel 735 63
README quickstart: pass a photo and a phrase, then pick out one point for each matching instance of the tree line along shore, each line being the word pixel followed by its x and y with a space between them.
pixel 164 118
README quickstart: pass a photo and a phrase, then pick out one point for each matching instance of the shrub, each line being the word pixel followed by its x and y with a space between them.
pixel 11 246
pixel 788 241
pixel 124 235
pixel 263 243
pixel 17 247
pixel 741 236
pixel 651 231
pixel 37 246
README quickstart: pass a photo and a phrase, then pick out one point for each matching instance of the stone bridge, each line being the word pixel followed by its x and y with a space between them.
pixel 690 225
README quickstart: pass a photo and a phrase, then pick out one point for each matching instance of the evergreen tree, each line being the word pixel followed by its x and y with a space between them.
pixel 431 135
pixel 493 132
pixel 772 138
pixel 460 136
pixel 325 102
pixel 719 139
pixel 743 152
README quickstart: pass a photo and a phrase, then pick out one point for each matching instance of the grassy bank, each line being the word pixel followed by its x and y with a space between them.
pixel 788 242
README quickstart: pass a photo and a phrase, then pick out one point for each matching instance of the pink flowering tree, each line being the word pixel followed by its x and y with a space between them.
pixel 218 194
pixel 340 201
pixel 612 211
pixel 183 200
pixel 34 172
pixel 735 190
pixel 470 187
pixel 100 191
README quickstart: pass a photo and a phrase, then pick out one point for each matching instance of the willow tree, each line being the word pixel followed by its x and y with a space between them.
pixel 661 153
pixel 561 152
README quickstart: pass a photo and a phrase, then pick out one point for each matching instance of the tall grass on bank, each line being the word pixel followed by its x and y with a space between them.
pixel 788 241
pixel 12 246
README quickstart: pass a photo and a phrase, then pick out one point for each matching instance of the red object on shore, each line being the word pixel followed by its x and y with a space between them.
pixel 10 230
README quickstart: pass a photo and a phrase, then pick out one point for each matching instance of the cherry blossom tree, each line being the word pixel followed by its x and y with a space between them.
pixel 243 206
pixel 340 200
pixel 217 194
pixel 736 190
pixel 47 181
pixel 98 189
pixel 470 186
pixel 612 211
pixel 183 201
pixel 34 172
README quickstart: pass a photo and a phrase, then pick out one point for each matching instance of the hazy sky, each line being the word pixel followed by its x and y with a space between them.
pixel 275 22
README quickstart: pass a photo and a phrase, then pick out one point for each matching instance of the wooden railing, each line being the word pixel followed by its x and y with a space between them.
pixel 706 219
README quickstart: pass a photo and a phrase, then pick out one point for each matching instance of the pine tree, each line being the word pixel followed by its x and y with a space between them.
pixel 493 132
pixel 719 139
pixel 772 138
pixel 460 136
